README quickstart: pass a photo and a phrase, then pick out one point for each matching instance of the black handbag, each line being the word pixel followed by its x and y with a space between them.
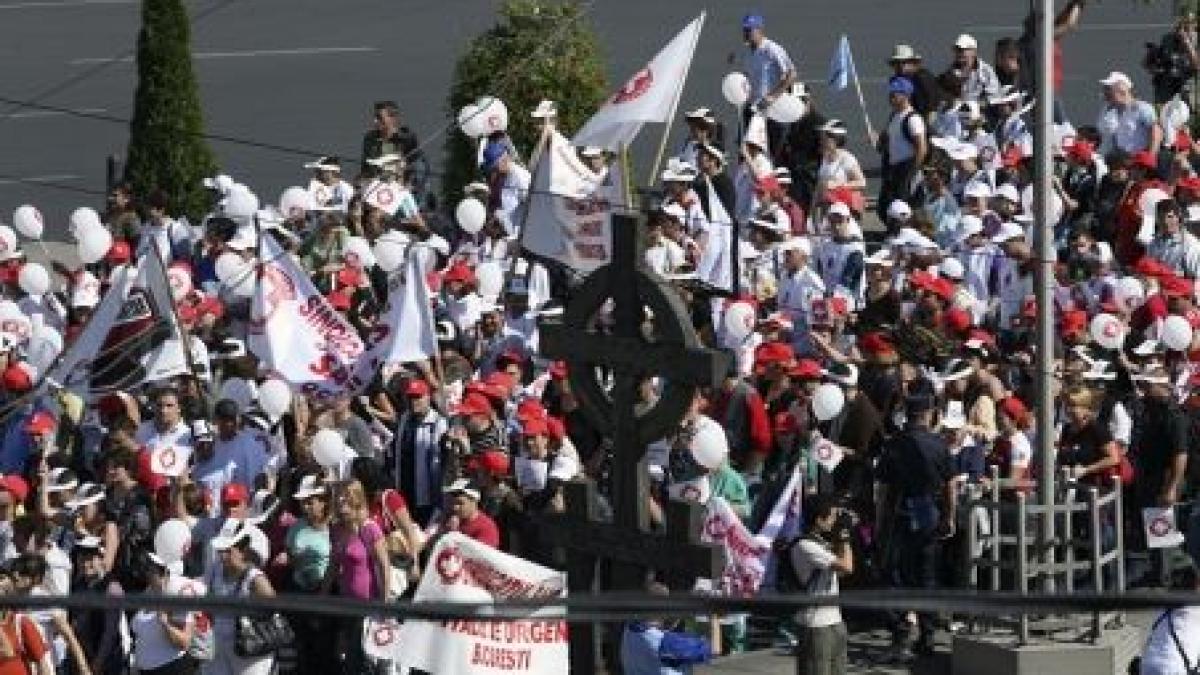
pixel 262 634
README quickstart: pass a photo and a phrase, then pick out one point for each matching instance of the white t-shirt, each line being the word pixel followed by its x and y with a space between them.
pixel 1161 655
pixel 808 558
pixel 837 171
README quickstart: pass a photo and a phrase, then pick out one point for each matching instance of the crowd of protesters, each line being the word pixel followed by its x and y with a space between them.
pixel 928 335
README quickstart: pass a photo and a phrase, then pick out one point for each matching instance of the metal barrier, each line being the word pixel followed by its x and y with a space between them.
pixel 1019 552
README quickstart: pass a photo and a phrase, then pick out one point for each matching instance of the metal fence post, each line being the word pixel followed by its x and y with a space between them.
pixel 1022 566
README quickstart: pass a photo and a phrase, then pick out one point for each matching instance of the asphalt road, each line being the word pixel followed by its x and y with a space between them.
pixel 301 74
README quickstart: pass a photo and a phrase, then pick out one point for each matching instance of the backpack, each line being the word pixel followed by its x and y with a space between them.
pixel 787 579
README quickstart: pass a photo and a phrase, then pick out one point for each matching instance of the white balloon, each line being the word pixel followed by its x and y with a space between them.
pixel 1177 333
pixel 172 540
pixel 275 398
pixel 239 391
pixel 358 253
pixel 493 114
pixel 786 109
pixel 94 243
pixel 469 121
pixel 739 320
pixel 328 448
pixel 29 222
pixel 827 401
pixel 240 203
pixel 83 218
pixel 295 201
pixel 33 279
pixel 228 266
pixel 1107 330
pixel 389 251
pixel 470 214
pixel 709 445
pixel 489 277
pixel 736 89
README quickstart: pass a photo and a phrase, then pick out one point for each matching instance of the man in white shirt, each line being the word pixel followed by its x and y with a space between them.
pixel 799 283
pixel 168 428
pixel 508 182
pixel 1125 122
pixel 980 82
pixel 818 559
pixel 769 70
pixel 236 456
pixel 170 238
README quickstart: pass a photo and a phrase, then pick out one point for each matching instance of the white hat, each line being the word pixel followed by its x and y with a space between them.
pixel 1008 231
pixel 952 268
pixel 222 183
pixel 1100 371
pixel 962 151
pixel 978 188
pixel 840 209
pixel 88 493
pixel 675 211
pixel 1117 77
pixel 904 53
pixel 232 533
pixel 801 244
pixel 969 225
pixel 326 163
pixel 965 41
pixel 563 468
pixel 846 375
pixel 1007 94
pixel 1009 192
pixel 881 257
pixel 783 175
pixel 899 210
pixel 678 171
pixel 310 486
pixel 909 237
pixel 477 186
pixel 1147 348
pixel 800 89
pixel 241 242
pixel 591 151
pixel 715 152
pixel 954 417
pixel 61 479
pixel 954 370
pixel 768 221
pixel 384 160
pixel 462 486
pixel 834 127
pixel 546 108
pixel 90 542
pixel 700 113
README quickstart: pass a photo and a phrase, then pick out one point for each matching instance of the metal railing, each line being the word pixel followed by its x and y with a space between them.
pixel 1011 546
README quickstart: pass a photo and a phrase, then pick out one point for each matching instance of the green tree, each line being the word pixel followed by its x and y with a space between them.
pixel 167 149
pixel 538 50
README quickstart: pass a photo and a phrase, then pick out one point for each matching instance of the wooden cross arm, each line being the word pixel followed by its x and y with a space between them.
pixel 676 362
pixel 610 542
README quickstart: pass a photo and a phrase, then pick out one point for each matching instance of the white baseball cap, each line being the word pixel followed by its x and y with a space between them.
pixel 310 486
pixel 1008 231
pixel 969 225
pixel 979 189
pixel 899 210
pixel 462 486
pixel 952 268
pixel 1117 77
pixel 966 41
pixel 801 244
pixel 1009 192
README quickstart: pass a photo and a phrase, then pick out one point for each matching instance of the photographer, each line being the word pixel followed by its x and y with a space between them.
pixel 1174 60
pixel 819 558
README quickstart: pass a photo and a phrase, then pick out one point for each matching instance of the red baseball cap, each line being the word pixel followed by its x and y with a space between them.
pixel 957 320
pixel 460 272
pixel 1015 408
pixel 1191 185
pixel 773 353
pixel 494 461
pixel 1081 151
pixel 1073 321
pixel 529 409
pixel 1176 287
pixel 943 288
pixel 556 428
pixel 416 388
pixel 473 404
pixel 534 426
pixel 234 494
pixel 876 343
pixel 806 369
pixel 1144 159
pixel 40 422
pixel 119 253
pixel 16 486
pixel 16 379
pixel 349 277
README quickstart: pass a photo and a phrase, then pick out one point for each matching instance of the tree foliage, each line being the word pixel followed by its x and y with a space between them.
pixel 537 50
pixel 167 149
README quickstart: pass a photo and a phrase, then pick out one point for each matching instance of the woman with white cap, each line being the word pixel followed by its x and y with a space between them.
pixel 839 167
pixel 238 575
pixel 161 639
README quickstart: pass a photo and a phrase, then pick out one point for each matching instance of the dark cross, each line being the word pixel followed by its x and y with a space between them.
pixel 673 352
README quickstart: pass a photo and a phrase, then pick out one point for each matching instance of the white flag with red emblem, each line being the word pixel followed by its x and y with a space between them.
pixel 406 333
pixel 649 96
pixel 297 334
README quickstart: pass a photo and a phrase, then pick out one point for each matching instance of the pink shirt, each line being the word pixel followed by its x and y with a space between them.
pixel 358 577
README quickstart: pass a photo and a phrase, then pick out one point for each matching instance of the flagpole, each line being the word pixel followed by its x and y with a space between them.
pixel 185 337
pixel 862 101
pixel 662 143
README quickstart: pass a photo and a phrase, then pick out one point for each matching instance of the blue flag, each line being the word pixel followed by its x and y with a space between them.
pixel 841 69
